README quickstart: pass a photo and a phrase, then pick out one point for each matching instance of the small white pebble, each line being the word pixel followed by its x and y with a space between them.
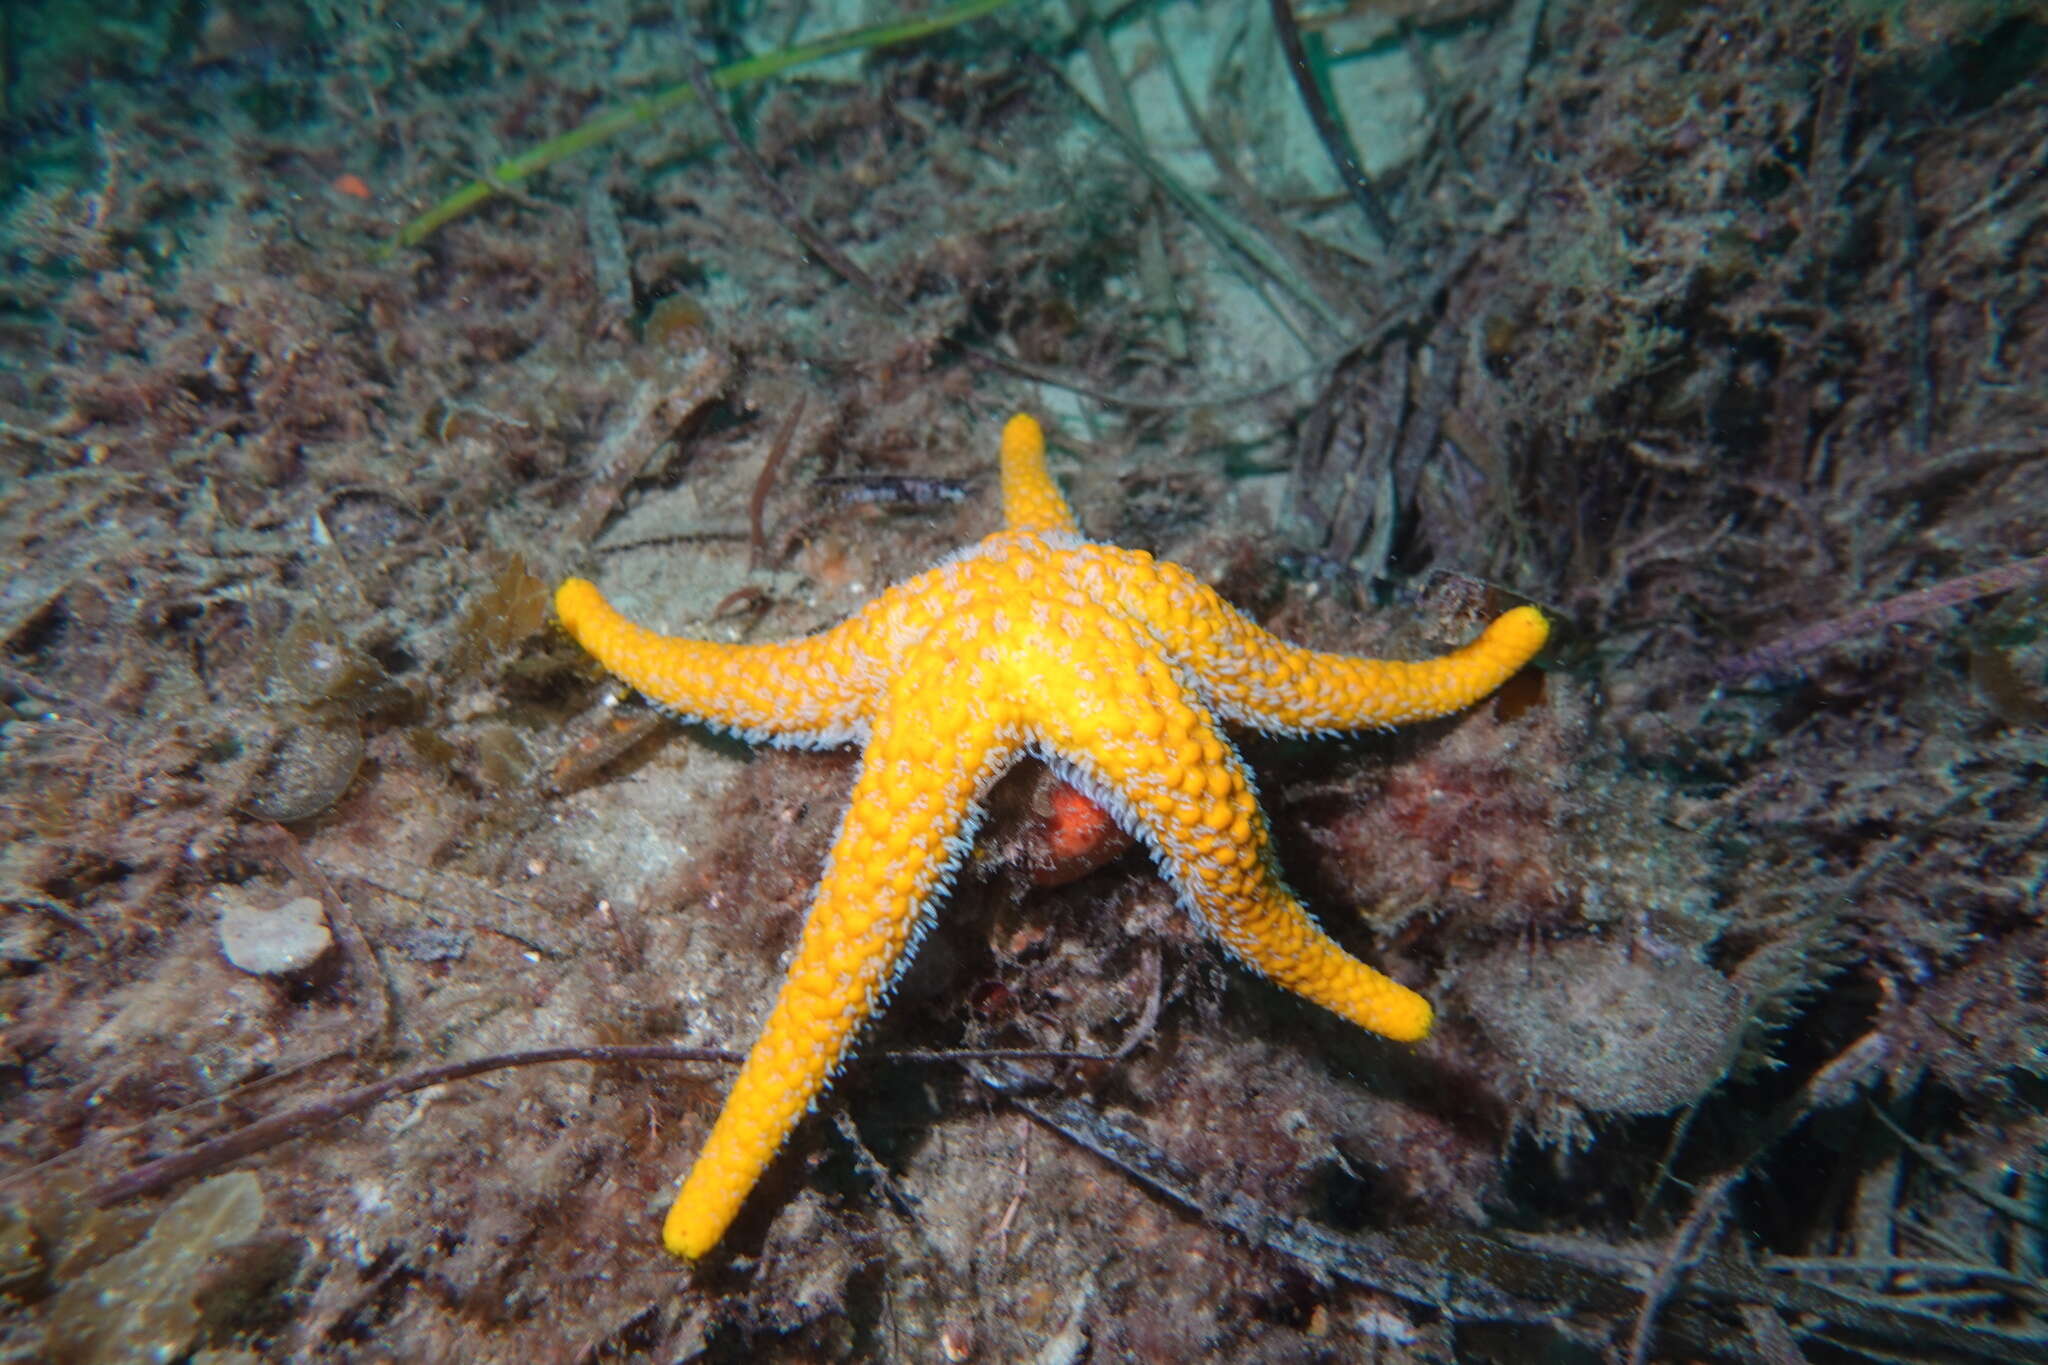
pixel 276 942
pixel 1383 1325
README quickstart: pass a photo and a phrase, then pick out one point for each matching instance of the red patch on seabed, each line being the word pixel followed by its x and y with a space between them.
pixel 1465 830
pixel 1074 837
pixel 1077 826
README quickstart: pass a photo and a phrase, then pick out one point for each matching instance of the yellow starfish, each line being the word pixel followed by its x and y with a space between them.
pixel 1113 667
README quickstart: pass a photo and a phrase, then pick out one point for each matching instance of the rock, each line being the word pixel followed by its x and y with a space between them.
pixel 142 1305
pixel 1613 1031
pixel 279 942
pixel 317 752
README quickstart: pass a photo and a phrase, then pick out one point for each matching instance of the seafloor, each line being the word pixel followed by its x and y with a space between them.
pixel 1718 331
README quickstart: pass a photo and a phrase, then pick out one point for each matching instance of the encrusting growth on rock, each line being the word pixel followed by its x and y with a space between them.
pixel 1115 668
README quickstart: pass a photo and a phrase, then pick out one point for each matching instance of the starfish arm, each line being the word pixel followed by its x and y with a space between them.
pixel 1255 678
pixel 1031 500
pixel 799 691
pixel 911 819
pixel 1146 748
pixel 1263 681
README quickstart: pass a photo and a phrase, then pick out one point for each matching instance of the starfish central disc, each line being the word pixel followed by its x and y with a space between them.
pixel 1120 671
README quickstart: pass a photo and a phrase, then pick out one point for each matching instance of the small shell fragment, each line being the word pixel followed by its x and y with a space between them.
pixel 280 942
pixel 316 759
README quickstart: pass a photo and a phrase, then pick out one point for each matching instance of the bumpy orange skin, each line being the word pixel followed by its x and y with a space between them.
pixel 1116 668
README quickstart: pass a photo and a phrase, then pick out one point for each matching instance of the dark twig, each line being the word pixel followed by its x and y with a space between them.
pixel 1148 1018
pixel 1436 97
pixel 1522 36
pixel 1906 607
pixel 794 222
pixel 749 599
pixel 57 911
pixel 1245 198
pixel 363 962
pixel 2005 1204
pixel 274 1129
pixel 1229 235
pixel 1682 1252
pixel 594 741
pixel 609 265
pixel 909 490
pixel 1965 462
pixel 267 1081
pixel 1328 127
pixel 786 211
pixel 1480 1277
pixel 757 540
pixel 1841 1315
pixel 1769 1334
pixel 1920 330
pixel 653 413
pixel 1421 436
pixel 78 708
pixel 268 1132
pixel 1154 268
pixel 997 1054
pixel 1366 1259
